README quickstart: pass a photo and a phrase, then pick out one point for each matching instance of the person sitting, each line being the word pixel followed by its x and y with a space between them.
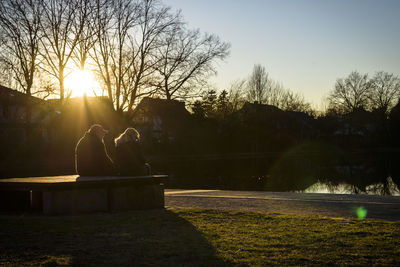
pixel 129 159
pixel 91 158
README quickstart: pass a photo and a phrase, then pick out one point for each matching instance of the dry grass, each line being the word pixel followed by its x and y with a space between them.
pixel 196 238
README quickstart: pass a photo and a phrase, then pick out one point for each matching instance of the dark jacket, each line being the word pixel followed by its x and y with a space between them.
pixel 91 157
pixel 129 159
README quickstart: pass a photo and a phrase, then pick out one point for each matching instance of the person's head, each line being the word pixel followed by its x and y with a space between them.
pixel 129 135
pixel 98 130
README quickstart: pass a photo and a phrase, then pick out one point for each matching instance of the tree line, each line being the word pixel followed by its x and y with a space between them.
pixel 258 88
pixel 378 93
pixel 136 48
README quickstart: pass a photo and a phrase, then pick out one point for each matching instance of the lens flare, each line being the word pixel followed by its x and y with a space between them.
pixel 361 213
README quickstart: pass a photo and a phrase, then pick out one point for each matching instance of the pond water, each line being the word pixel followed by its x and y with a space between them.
pixel 390 188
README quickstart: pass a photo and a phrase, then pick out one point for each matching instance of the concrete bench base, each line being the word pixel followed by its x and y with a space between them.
pixel 15 200
pixel 128 198
pixel 84 194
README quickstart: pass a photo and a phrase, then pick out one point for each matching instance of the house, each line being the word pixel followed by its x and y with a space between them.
pixel 22 115
pixel 272 118
pixel 160 119
pixel 77 114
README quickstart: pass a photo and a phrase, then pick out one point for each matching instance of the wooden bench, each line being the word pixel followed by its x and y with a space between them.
pixel 75 194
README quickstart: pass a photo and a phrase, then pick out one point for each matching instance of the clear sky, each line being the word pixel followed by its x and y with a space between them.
pixel 304 44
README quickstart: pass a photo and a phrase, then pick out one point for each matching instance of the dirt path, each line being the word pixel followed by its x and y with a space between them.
pixel 331 205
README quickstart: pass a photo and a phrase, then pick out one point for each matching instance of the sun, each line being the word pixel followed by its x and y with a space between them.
pixel 82 82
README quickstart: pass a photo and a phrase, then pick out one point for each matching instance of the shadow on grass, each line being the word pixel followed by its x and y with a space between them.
pixel 158 237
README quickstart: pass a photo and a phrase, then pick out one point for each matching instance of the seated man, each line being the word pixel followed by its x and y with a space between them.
pixel 91 158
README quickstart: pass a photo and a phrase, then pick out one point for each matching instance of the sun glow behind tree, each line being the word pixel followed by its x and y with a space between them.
pixel 134 48
pixel 82 82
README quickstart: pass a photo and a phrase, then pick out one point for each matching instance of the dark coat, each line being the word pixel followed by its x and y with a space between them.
pixel 91 157
pixel 129 159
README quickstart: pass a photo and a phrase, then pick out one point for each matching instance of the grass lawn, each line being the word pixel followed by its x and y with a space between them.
pixel 196 238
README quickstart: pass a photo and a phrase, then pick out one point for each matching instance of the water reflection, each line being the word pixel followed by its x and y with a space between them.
pixel 386 188
pixel 322 168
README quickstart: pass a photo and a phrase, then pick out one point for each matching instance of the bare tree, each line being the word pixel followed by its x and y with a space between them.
pixel 259 85
pixel 100 53
pixel 20 25
pixel 86 12
pixel 351 93
pixel 128 33
pixel 62 27
pixel 291 101
pixel 236 94
pixel 276 94
pixel 5 72
pixel 155 21
pixel 262 89
pixel 114 22
pixel 385 91
pixel 186 60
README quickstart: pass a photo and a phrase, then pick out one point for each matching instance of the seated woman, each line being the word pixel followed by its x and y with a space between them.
pixel 129 159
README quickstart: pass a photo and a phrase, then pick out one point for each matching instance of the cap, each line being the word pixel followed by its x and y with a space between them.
pixel 97 128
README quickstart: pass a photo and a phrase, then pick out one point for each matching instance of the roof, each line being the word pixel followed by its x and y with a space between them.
pixel 272 116
pixel 257 107
pixel 13 96
pixel 161 107
pixel 81 112
pixel 78 100
pixel 395 112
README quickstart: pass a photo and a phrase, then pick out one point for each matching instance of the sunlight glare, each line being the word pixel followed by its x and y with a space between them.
pixel 81 82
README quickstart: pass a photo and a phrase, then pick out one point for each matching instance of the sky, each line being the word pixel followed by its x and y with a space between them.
pixel 304 44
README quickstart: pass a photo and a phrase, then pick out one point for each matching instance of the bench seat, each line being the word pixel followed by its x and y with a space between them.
pixel 77 194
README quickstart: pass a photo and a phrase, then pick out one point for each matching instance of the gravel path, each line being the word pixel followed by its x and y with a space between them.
pixel 330 205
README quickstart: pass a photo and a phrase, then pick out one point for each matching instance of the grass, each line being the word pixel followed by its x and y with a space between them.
pixel 196 238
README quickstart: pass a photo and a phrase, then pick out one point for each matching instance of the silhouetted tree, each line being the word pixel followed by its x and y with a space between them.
pixel 155 20
pixel 277 95
pixel 6 73
pixel 236 94
pixel 262 89
pixel 186 59
pixel 385 91
pixel 128 34
pixel 20 27
pixel 209 102
pixel 259 85
pixel 62 27
pixel 351 93
pixel 198 110
pixel 212 105
pixel 290 101
pixel 223 105
pixel 114 20
pixel 88 38
pixel 137 47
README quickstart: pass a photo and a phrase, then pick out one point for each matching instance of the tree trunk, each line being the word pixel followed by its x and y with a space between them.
pixel 61 87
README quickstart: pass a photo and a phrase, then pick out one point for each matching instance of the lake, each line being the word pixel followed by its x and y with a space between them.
pixel 343 188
